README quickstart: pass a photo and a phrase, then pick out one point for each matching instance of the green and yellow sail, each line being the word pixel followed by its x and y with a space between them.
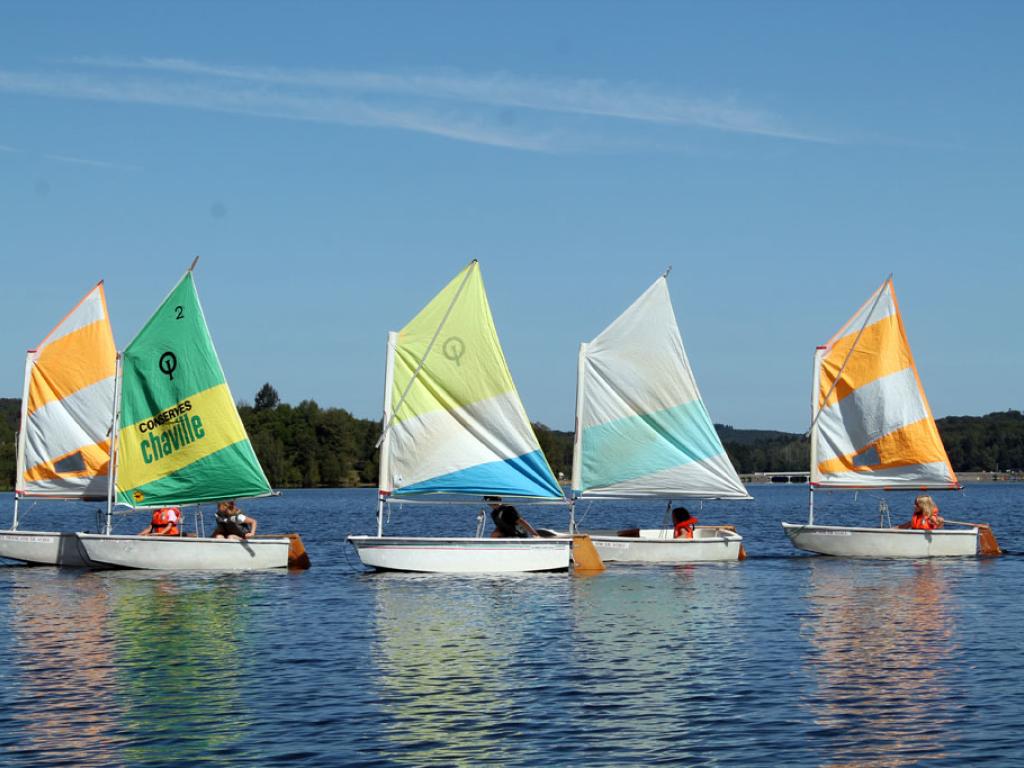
pixel 181 440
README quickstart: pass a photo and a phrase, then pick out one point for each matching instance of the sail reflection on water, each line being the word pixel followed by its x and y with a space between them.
pixel 66 684
pixel 882 669
pixel 665 650
pixel 178 658
pixel 460 668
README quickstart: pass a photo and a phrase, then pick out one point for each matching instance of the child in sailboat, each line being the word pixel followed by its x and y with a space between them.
pixel 232 524
pixel 163 523
pixel 926 515
pixel 508 524
pixel 682 523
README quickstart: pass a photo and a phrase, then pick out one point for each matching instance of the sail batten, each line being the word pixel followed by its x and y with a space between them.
pixel 68 407
pixel 457 425
pixel 181 440
pixel 643 430
pixel 873 427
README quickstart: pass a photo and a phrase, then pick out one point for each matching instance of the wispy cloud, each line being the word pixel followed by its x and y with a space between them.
pixel 91 163
pixel 630 101
pixel 497 109
pixel 5 148
pixel 285 104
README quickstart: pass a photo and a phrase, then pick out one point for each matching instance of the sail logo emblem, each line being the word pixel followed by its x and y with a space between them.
pixel 168 364
pixel 453 349
pixel 138 495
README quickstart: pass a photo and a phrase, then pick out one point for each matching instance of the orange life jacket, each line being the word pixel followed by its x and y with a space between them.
pixel 684 528
pixel 165 521
pixel 921 523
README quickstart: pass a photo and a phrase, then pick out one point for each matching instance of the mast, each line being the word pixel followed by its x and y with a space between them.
pixel 383 470
pixel 577 438
pixel 20 462
pixel 115 423
pixel 815 383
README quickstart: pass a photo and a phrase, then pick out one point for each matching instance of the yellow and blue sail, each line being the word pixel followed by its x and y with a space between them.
pixel 873 427
pixel 642 429
pixel 181 440
pixel 454 422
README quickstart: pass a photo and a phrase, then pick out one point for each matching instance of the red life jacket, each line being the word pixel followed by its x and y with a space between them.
pixel 165 521
pixel 684 528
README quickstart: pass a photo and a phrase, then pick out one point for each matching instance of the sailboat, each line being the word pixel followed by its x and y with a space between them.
pixel 181 442
pixel 872 429
pixel 67 412
pixel 454 429
pixel 644 433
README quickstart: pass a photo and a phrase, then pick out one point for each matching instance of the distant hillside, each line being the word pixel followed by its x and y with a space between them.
pixel 306 445
pixel 729 434
pixel 974 443
pixel 10 414
pixel 984 443
pixel 765 450
pixel 751 450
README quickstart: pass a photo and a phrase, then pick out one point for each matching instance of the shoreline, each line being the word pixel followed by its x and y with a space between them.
pixel 800 478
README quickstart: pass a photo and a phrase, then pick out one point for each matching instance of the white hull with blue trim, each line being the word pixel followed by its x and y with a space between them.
pixel 461 555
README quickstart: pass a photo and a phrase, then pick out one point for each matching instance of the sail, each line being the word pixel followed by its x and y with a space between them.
pixel 873 427
pixel 68 407
pixel 456 424
pixel 181 439
pixel 643 430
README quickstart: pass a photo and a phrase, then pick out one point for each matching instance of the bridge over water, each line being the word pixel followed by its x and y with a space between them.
pixel 775 477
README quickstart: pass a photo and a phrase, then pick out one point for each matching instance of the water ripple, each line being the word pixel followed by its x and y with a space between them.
pixel 782 659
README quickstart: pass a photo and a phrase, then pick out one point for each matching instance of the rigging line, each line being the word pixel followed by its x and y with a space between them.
pixel 583 517
pixel 835 382
pixel 351 567
pixel 426 353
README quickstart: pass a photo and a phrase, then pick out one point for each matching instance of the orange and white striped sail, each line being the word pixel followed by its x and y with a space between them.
pixel 68 406
pixel 873 427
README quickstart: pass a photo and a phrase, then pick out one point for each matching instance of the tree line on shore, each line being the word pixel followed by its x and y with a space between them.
pixel 308 446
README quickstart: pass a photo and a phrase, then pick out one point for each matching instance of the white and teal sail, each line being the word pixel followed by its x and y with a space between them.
pixel 642 430
pixel 454 423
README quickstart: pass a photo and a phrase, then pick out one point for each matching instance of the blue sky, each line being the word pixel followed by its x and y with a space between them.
pixel 334 164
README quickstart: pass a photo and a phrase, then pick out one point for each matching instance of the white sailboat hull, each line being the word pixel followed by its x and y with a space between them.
pixel 842 541
pixel 656 545
pixel 166 553
pixel 462 555
pixel 42 548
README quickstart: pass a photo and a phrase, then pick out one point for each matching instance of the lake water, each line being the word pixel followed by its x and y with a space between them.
pixel 781 659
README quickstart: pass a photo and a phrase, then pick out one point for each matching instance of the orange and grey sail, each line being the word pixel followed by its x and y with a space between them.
pixel 67 408
pixel 872 425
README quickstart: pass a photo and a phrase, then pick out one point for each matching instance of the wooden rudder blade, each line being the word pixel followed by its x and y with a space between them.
pixel 584 554
pixel 987 541
pixel 297 557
